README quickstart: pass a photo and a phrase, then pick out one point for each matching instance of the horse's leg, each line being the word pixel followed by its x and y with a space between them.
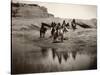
pixel 52 33
pixel 74 27
pixel 43 35
pixel 40 34
pixel 54 37
pixel 62 38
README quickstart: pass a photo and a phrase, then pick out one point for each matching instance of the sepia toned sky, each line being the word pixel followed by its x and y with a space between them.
pixel 67 10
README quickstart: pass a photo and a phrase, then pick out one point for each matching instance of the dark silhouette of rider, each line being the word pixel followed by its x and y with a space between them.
pixel 73 23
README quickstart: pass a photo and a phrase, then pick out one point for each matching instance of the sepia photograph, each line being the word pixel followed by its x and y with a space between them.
pixel 52 37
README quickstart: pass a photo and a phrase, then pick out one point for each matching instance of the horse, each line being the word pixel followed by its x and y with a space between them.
pixel 73 23
pixel 53 28
pixel 43 29
pixel 58 33
pixel 59 30
pixel 66 27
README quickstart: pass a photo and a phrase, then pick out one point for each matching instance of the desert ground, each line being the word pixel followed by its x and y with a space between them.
pixel 31 54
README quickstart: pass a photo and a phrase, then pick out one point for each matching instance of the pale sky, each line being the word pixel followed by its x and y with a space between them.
pixel 67 10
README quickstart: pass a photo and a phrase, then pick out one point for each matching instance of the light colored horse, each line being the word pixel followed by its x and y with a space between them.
pixel 59 31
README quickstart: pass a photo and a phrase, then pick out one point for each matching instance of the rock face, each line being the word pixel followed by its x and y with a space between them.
pixel 29 11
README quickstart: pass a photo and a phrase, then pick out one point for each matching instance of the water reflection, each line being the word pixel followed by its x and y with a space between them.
pixel 52 60
pixel 61 55
pixel 53 52
pixel 74 54
pixel 65 56
pixel 44 51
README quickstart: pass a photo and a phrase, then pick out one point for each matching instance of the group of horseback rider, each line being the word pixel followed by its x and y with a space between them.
pixel 57 30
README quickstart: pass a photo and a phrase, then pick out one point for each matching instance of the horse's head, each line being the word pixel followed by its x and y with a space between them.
pixel 53 24
pixel 67 25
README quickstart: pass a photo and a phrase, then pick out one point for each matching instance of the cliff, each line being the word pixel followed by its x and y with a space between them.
pixel 29 11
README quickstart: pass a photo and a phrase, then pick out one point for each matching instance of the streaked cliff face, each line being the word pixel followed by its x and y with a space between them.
pixel 29 11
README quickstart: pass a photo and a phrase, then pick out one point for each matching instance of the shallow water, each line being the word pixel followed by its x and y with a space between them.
pixel 52 60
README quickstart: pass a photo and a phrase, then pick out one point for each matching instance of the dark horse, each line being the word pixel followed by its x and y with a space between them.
pixel 53 25
pixel 43 29
pixel 73 23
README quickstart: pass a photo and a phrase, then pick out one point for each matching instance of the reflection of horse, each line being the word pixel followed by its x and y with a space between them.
pixel 44 51
pixel 60 55
pixel 74 53
pixel 54 52
pixel 65 56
